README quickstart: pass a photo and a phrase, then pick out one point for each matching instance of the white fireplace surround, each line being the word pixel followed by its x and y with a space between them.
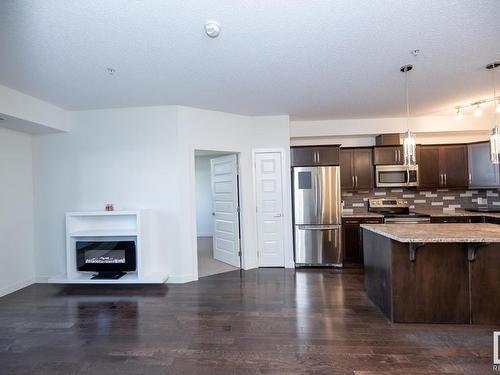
pixel 114 225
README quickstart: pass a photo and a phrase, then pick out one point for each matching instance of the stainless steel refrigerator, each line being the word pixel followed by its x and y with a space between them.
pixel 317 216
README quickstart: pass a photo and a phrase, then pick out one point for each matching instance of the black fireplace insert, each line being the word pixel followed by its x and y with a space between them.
pixel 110 259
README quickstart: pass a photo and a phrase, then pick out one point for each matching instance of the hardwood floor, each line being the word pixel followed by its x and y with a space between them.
pixel 262 321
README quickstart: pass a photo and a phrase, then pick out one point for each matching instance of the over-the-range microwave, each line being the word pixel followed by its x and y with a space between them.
pixel 396 176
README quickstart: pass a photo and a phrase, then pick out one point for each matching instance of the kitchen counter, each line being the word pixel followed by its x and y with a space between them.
pixel 455 213
pixel 423 233
pixel 434 273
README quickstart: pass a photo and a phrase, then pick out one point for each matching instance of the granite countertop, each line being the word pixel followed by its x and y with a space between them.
pixel 428 211
pixel 456 212
pixel 437 232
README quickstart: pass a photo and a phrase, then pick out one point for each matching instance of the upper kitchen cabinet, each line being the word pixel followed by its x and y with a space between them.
pixel 482 172
pixel 356 169
pixel 442 166
pixel 453 162
pixel 388 155
pixel 314 155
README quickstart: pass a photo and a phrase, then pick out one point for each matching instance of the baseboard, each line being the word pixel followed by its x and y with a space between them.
pixel 16 286
pixel 42 279
pixel 180 279
pixel 203 234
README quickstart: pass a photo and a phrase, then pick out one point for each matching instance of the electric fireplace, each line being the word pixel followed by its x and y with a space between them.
pixel 110 259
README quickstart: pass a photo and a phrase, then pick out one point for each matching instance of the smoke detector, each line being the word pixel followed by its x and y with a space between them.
pixel 212 29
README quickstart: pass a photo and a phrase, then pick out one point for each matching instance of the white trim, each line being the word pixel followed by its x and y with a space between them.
pixel 16 286
pixel 181 279
pixel 286 202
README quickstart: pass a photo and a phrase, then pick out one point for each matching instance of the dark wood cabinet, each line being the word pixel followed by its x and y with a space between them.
pixel 492 220
pixel 388 155
pixel 352 238
pixel 453 166
pixel 482 172
pixel 442 166
pixel 356 169
pixel 428 166
pixel 314 155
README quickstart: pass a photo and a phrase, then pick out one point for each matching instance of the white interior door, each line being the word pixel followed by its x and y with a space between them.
pixel 224 177
pixel 268 176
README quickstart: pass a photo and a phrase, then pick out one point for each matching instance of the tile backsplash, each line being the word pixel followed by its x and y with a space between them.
pixel 437 199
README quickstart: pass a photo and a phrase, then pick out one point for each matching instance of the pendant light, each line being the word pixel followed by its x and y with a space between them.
pixel 409 145
pixel 495 132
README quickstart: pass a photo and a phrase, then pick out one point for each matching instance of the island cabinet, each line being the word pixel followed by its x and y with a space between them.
pixel 482 172
pixel 388 155
pixel 352 237
pixel 443 166
pixel 356 169
pixel 434 273
pixel 309 156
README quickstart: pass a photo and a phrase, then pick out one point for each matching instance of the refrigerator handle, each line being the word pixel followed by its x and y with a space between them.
pixel 318 200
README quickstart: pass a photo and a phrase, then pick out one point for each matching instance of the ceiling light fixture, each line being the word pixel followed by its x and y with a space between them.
pixel 212 29
pixel 409 145
pixel 478 112
pixel 460 114
pixel 495 132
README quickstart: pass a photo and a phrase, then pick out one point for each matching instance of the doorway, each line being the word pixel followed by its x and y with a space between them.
pixel 217 212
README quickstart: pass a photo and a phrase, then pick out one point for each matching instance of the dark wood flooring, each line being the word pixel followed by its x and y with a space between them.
pixel 262 321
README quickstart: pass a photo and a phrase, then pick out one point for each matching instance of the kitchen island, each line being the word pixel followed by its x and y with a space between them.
pixel 434 273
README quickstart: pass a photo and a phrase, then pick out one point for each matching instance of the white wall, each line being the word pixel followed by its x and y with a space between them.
pixel 209 130
pixel 32 114
pixel 144 158
pixel 204 222
pixel 17 265
pixel 362 132
pixel 127 157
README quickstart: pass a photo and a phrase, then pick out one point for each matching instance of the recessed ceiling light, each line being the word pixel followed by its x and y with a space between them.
pixel 111 71
pixel 415 52
pixel 212 28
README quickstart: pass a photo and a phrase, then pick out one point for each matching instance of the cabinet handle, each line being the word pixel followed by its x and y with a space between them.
pixel 317 156
pixel 445 179
pixel 356 178
pixel 396 156
pixel 353 184
pixel 399 156
pixel 351 222
pixel 470 179
pixel 440 179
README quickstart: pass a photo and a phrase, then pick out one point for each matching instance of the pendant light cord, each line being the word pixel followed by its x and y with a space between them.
pixel 407 102
pixel 495 116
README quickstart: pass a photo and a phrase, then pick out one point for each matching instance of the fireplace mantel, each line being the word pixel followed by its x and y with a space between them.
pixel 113 225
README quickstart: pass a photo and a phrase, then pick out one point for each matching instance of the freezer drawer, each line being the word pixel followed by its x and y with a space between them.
pixel 318 245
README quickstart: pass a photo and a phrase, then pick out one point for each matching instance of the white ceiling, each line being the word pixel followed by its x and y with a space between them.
pixel 309 59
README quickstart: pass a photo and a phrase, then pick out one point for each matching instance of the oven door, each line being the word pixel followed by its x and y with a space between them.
pixel 409 220
pixel 396 176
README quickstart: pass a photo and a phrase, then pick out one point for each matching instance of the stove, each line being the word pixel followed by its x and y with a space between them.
pixel 396 211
